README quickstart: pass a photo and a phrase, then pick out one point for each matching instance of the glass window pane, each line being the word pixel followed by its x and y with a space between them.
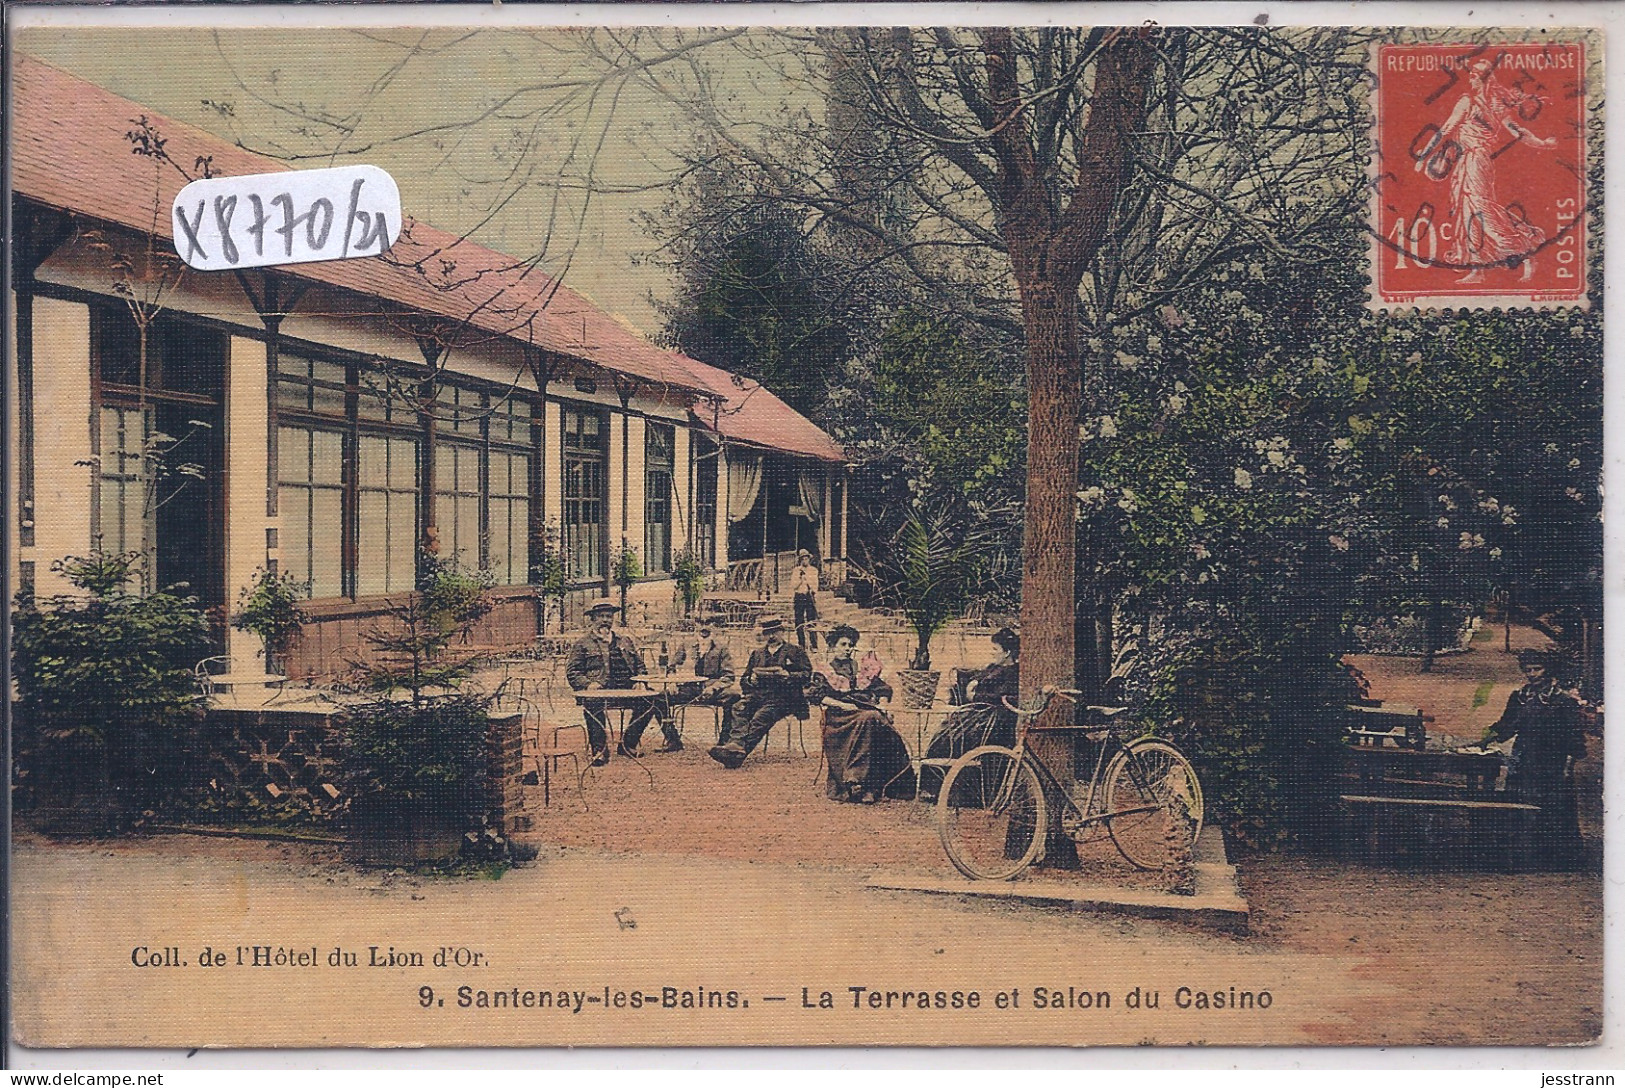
pixel 293 454
pixel 327 402
pixel 293 395
pixel 402 543
pixel 326 543
pixel 374 458
pixel 501 542
pixel 324 371
pixel 293 504
pixel 468 530
pixel 372 551
pixel 327 458
pixel 403 468
pixel 373 402
pixel 518 541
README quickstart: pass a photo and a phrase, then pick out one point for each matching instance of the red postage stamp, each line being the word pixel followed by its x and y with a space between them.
pixel 1479 193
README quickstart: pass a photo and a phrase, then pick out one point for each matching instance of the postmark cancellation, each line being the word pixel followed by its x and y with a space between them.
pixel 1479 176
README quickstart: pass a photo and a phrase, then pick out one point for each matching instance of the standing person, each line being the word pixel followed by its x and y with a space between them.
pixel 714 662
pixel 1545 719
pixel 775 686
pixel 863 751
pixel 804 596
pixel 604 659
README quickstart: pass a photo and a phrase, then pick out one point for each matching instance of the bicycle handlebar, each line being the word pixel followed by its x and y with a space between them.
pixel 1049 694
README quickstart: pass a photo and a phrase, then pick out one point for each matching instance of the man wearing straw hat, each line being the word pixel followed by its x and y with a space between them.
pixel 775 686
pixel 603 659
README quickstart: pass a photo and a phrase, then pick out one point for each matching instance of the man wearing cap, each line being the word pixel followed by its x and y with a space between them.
pixel 713 662
pixel 775 686
pixel 603 659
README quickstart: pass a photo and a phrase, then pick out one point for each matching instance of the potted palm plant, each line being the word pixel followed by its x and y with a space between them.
pixel 625 569
pixel 934 564
pixel 689 574
pixel 550 577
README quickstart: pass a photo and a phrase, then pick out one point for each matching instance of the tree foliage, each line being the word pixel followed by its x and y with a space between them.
pixel 755 298
pixel 105 681
pixel 418 748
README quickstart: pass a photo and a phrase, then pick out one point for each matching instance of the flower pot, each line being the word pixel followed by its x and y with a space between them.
pixel 919 687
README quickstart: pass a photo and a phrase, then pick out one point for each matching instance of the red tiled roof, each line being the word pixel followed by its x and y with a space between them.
pixel 750 413
pixel 69 151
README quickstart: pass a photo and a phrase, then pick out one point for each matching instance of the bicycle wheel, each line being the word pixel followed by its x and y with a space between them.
pixel 1155 790
pixel 990 814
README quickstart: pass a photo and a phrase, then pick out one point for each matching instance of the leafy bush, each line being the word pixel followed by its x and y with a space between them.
pixel 411 656
pixel 689 574
pixel 425 757
pixel 269 608
pixel 105 683
pixel 418 750
pixel 1258 709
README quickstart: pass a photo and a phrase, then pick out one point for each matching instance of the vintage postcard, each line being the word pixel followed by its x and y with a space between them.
pixel 686 534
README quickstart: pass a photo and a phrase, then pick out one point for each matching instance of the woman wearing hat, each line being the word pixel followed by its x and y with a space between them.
pixel 804 598
pixel 984 719
pixel 862 750
pixel 1545 719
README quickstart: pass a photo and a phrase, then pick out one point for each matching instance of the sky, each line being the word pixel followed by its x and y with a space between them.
pixel 274 89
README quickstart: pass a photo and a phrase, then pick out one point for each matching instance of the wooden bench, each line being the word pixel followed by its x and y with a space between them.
pixel 1405 725
pixel 1439 832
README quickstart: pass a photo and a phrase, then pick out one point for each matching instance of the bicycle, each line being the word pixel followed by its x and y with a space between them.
pixel 994 808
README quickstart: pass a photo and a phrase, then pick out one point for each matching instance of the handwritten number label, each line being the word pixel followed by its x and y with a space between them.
pixel 287 218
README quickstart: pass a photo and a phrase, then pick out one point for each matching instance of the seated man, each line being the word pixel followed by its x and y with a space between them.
pixel 604 659
pixel 713 662
pixel 775 686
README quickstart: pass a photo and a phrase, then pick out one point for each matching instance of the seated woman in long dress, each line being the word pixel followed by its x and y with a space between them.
pixel 984 719
pixel 865 755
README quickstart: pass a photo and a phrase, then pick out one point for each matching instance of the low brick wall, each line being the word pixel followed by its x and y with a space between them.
pixel 284 765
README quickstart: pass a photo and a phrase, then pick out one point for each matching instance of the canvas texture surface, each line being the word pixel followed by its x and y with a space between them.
pixel 986 536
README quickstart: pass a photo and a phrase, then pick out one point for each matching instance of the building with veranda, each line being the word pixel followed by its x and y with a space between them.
pixel 332 420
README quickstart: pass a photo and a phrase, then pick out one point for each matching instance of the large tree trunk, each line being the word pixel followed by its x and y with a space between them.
pixel 1050 539
pixel 1049 543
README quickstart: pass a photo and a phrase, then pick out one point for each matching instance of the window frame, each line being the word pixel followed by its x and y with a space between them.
pixel 653 469
pixel 370 414
pixel 704 459
pixel 489 447
pixel 581 458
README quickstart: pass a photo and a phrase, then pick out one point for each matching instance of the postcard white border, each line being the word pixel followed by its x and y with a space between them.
pixel 1609 18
